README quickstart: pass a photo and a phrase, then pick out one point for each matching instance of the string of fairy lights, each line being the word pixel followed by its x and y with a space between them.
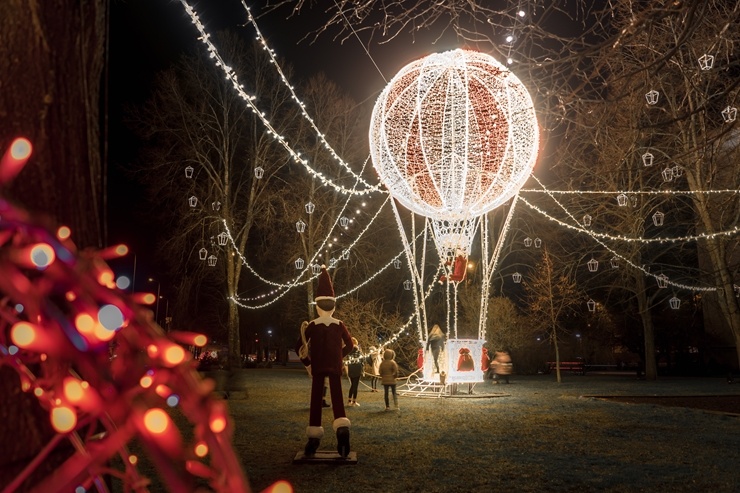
pixel 283 288
pixel 660 278
pixel 322 138
pixel 100 367
pixel 628 239
pixel 297 280
pixel 269 128
pixel 312 262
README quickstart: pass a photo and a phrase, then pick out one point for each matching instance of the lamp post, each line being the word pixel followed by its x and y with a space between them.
pixel 133 279
pixel 166 313
pixel 156 309
pixel 269 343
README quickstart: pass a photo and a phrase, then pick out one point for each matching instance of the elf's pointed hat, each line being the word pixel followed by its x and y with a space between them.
pixel 325 291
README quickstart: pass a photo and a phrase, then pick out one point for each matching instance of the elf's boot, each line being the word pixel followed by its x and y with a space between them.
pixel 341 426
pixel 314 439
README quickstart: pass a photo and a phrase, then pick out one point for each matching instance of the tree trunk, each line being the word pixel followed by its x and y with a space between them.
pixel 648 330
pixel 557 354
pixel 52 56
pixel 235 359
pixel 717 255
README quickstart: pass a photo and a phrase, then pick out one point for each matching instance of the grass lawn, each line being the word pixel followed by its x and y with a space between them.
pixel 533 435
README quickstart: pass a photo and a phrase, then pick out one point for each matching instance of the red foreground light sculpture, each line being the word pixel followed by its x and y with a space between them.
pixel 97 362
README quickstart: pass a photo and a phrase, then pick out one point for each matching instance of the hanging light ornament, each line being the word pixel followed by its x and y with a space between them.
pixel 202 253
pixel 622 200
pixel 345 255
pixel 397 264
pixel 216 205
pixel 662 281
pixel 310 207
pixel 614 262
pixel 212 261
pixel 652 97
pixel 259 172
pixel 658 218
pixel 193 201
pixel 587 220
pixel 729 114
pixel 332 263
pixel 453 136
pixel 516 277
pixel 706 62
pixel 677 171
pixel 299 263
pixel 407 285
pixel 647 159
pixel 300 226
pixel 593 265
pixel 527 242
pixel 222 238
pixel 667 174
pixel 344 221
pixel 189 171
pixel 675 303
pixel 591 304
pixel 315 269
pixel 537 243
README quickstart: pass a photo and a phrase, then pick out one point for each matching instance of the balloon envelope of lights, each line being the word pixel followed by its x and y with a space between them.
pixel 454 135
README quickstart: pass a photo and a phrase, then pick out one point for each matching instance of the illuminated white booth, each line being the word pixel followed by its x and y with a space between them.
pixel 460 360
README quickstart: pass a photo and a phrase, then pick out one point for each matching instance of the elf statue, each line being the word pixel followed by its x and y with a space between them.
pixel 328 342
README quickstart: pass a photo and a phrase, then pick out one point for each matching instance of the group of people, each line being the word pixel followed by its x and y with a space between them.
pixel 381 365
pixel 323 345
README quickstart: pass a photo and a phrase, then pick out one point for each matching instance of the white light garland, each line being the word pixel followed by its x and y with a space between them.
pixel 307 268
pixel 659 239
pixel 304 112
pixel 613 252
pixel 249 99
pixel 630 192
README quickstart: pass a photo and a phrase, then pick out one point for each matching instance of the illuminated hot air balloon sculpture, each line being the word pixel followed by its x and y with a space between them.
pixel 453 136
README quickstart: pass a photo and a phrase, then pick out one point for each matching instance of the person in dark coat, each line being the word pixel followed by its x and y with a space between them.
pixel 436 342
pixel 355 371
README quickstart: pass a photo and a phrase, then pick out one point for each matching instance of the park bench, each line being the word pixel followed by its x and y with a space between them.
pixel 577 367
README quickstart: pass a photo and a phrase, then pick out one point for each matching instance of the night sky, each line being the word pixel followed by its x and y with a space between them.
pixel 146 36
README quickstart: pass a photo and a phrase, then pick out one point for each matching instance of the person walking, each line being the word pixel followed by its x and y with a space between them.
pixel 354 372
pixel 502 366
pixel 436 343
pixel 375 360
pixel 388 375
